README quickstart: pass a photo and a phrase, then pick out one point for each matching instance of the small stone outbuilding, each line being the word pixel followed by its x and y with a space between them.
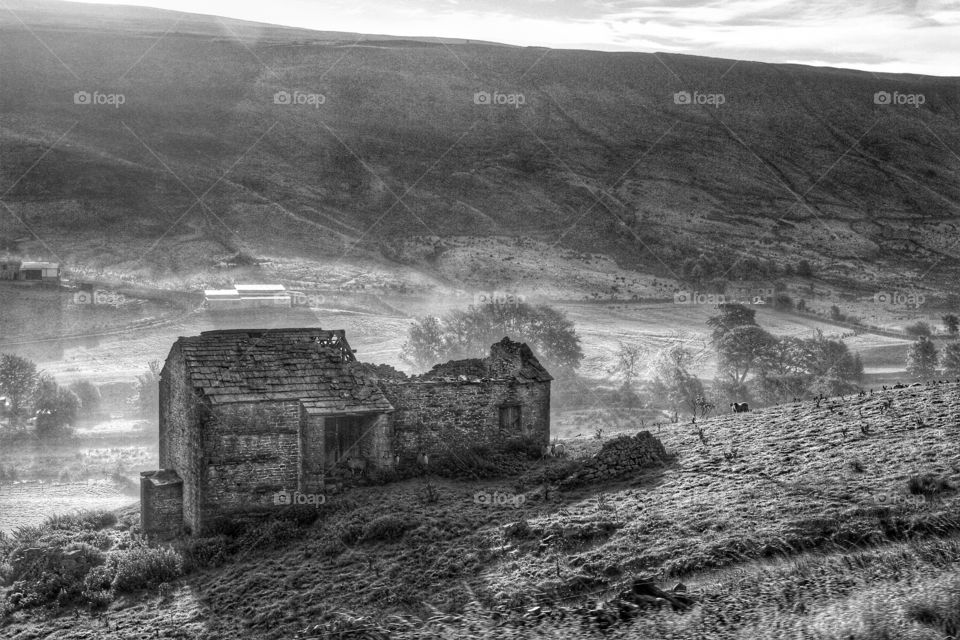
pixel 248 415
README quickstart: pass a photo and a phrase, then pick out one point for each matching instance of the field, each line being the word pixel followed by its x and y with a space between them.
pixel 112 344
pixel 117 356
pixel 27 504
pixel 100 470
pixel 378 336
pixel 752 517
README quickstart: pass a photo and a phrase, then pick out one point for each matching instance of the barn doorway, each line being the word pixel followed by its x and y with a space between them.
pixel 342 436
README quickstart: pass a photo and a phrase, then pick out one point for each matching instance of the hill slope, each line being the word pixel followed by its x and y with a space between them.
pixel 199 161
pixel 791 482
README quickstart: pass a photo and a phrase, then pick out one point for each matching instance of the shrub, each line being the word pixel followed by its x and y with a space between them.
pixel 477 462
pixel 148 390
pixel 387 528
pixel 91 519
pixel 271 532
pixel 89 395
pixel 144 567
pixel 302 515
pixel 96 587
pixel 919 328
pixel 8 474
pixel 202 553
pixel 927 484
pixel 383 476
pixel 55 407
pixel 50 572
pixel 228 527
pixel 349 530
pixel 552 473
pixel 98 579
pixel 524 446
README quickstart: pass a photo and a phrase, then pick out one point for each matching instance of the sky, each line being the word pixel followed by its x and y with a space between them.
pixel 897 36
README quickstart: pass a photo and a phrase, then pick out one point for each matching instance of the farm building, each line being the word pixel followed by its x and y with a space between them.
pixel 248 414
pixel 247 296
pixel 45 271
pixel 36 271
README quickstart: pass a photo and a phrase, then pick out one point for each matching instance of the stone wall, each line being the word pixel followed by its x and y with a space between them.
pixel 377 444
pixel 442 416
pixel 180 442
pixel 618 457
pixel 252 450
pixel 161 503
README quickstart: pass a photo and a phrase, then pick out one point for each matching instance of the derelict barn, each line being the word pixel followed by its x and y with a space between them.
pixel 245 414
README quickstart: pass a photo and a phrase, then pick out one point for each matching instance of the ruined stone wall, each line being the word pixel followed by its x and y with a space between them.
pixel 376 446
pixel 619 457
pixel 505 360
pixel 180 442
pixel 251 451
pixel 440 416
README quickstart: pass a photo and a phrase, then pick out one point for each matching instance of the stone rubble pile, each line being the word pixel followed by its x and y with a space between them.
pixel 619 457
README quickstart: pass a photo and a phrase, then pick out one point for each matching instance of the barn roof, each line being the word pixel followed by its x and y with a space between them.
pixel 313 366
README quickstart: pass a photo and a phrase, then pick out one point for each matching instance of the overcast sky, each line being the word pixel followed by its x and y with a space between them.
pixel 912 36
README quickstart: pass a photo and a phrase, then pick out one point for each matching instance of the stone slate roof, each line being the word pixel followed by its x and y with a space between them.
pixel 531 370
pixel 314 366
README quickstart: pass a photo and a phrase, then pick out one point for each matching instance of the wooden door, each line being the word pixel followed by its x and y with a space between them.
pixel 311 453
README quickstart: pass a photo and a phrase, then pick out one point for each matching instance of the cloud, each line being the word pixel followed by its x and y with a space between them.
pixel 913 36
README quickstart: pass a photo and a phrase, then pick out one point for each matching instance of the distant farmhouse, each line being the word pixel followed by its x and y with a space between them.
pixel 36 271
pixel 247 296
pixel 245 414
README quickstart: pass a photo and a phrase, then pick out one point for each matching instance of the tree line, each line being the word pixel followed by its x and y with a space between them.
pixel 752 364
pixel 32 401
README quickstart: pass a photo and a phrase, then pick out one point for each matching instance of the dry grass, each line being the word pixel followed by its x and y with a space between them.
pixel 789 536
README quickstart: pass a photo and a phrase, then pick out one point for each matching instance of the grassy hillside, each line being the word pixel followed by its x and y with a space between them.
pixel 837 521
pixel 797 162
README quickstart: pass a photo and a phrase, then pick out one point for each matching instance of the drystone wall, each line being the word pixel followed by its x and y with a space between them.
pixel 618 458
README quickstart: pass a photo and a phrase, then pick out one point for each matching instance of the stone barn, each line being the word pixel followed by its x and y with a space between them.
pixel 248 415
